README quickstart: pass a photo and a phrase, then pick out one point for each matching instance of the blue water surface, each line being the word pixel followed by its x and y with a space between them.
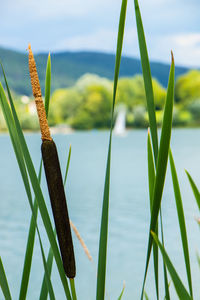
pixel 129 212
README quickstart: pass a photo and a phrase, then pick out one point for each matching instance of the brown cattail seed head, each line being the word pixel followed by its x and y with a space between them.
pixel 38 97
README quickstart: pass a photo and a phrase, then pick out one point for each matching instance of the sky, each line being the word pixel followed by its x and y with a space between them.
pixel 75 25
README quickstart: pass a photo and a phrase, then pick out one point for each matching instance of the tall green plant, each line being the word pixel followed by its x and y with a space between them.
pixel 32 228
pixel 161 164
pixel 154 135
pixel 147 79
pixel 101 273
pixel 181 218
pixel 25 163
pixel 4 283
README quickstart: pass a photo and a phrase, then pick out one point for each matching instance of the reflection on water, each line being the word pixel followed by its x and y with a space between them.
pixel 129 210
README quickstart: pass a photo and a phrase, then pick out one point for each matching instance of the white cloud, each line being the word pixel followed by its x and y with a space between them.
pixel 47 9
pixel 92 25
pixel 100 40
pixel 186 48
pixel 188 40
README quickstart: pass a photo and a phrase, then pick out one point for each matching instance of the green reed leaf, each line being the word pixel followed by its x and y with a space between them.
pixel 194 189
pixel 151 178
pixel 198 259
pixel 152 117
pixel 47 275
pixel 146 296
pixel 29 249
pixel 180 289
pixel 161 163
pixel 31 236
pixel 101 273
pixel 4 283
pixel 67 166
pixel 44 289
pixel 151 170
pixel 122 292
pixel 181 219
pixel 48 85
pixel 167 295
pixel 147 79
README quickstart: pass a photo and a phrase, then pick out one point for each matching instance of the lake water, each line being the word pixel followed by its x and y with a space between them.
pixel 129 211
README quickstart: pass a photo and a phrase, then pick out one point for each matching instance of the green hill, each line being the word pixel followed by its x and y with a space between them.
pixel 67 67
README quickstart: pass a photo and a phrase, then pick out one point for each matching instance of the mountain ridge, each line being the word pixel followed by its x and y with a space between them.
pixel 68 66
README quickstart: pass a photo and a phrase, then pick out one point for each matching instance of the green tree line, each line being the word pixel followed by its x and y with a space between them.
pixel 87 104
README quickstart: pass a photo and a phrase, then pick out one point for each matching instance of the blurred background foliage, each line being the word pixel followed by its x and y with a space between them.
pixel 87 104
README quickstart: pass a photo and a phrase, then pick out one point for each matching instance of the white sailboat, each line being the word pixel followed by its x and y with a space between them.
pixel 120 123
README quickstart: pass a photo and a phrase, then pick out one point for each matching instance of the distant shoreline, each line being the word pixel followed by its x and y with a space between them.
pixel 69 131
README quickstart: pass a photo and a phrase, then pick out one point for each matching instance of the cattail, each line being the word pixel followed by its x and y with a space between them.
pixel 53 177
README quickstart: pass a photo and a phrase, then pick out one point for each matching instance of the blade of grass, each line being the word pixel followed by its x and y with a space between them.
pixel 29 249
pixel 151 177
pixel 101 273
pixel 198 259
pixel 44 290
pixel 167 296
pixel 19 156
pixel 151 169
pixel 181 219
pixel 122 292
pixel 147 79
pixel 37 190
pixel 152 117
pixel 48 85
pixel 17 149
pixel 146 296
pixel 161 164
pixel 67 166
pixel 4 283
pixel 180 289
pixel 120 38
pixel 47 275
pixel 194 189
pixel 11 128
